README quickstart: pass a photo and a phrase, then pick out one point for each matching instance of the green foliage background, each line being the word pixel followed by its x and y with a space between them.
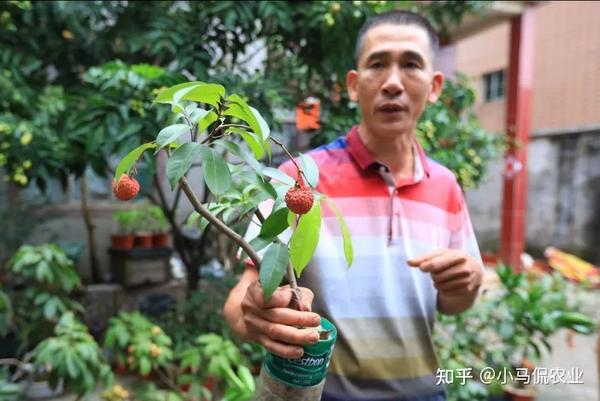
pixel 76 78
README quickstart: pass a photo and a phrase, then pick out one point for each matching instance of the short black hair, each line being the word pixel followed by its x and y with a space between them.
pixel 396 17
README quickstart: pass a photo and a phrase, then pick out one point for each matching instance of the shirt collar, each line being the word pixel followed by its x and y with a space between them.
pixel 365 159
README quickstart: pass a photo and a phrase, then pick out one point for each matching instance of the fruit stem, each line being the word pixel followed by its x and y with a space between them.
pixel 289 155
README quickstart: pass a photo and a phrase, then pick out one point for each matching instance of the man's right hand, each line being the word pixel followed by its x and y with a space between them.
pixel 274 325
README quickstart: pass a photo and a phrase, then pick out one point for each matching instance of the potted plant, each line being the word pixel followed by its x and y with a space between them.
pixel 73 358
pixel 41 303
pixel 505 330
pixel 43 280
pixel 124 238
pixel 69 359
pixel 137 344
pixel 213 124
pixel 160 225
pixel 142 228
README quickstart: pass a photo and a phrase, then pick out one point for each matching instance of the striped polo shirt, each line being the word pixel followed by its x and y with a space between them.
pixel 384 309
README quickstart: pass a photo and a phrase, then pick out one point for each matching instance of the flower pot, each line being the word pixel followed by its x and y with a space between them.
pixel 121 369
pixel 519 394
pixel 37 390
pixel 122 241
pixel 161 240
pixel 143 240
pixel 299 379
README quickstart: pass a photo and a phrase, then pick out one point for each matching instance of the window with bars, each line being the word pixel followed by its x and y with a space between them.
pixel 493 85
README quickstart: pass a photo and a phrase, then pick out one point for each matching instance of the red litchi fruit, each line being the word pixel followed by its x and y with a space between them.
pixel 126 188
pixel 299 199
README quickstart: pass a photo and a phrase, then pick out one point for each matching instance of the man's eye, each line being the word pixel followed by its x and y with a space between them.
pixel 376 65
pixel 411 65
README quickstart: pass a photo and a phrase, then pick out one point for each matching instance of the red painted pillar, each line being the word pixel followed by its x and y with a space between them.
pixel 518 122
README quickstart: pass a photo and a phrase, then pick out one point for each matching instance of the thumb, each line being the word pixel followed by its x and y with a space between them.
pixel 307 297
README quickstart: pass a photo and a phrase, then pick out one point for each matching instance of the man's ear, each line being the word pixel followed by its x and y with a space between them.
pixel 351 83
pixel 437 85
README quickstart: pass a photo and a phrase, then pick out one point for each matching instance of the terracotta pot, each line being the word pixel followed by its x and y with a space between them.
pixel 122 241
pixel 121 369
pixel 161 240
pixel 143 240
pixel 518 394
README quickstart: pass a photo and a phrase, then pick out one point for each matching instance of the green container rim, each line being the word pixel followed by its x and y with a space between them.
pixel 323 345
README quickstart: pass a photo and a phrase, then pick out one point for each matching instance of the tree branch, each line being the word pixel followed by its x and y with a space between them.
pixel 176 200
pixel 187 189
pixel 170 215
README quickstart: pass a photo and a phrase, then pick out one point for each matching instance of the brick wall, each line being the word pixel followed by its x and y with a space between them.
pixel 566 87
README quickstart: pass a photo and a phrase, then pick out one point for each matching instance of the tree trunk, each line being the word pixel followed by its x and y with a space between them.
pixel 89 225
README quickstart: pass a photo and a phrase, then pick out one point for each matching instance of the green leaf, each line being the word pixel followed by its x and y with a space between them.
pixel 145 366
pixel 247 378
pixel 275 224
pixel 310 169
pixel 207 120
pixel 252 162
pixel 166 95
pixel 278 175
pixel 215 170
pixel 238 107
pixel 305 239
pixel 273 268
pixel 267 188
pixel 229 145
pixel 180 161
pixel 129 160
pixel 73 372
pixel 259 243
pixel 267 146
pixel 198 114
pixel 50 308
pixel 203 93
pixel 170 134
pixel 347 239
pixel 241 153
pixel 250 138
pixel 264 128
pixel 291 219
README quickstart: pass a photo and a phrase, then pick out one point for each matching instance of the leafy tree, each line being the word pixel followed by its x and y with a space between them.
pixel 64 65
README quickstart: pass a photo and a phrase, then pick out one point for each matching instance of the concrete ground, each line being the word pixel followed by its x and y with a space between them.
pixel 583 356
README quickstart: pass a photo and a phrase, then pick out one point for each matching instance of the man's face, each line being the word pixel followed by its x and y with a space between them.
pixel 395 79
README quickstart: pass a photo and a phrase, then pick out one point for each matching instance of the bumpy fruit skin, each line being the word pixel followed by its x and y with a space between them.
pixel 299 199
pixel 126 188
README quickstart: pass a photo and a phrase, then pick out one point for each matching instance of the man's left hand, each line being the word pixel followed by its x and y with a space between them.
pixel 454 272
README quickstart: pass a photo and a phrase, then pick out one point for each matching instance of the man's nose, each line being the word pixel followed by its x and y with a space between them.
pixel 393 84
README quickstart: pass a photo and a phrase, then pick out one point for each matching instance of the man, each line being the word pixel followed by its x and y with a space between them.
pixel 414 246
